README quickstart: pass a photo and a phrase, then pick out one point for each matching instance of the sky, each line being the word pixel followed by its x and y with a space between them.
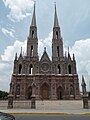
pixel 15 20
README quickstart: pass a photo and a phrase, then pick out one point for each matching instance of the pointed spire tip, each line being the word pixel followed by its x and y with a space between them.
pixel 33 23
pixel 56 24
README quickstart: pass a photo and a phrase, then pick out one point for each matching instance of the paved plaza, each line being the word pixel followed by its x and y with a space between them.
pixel 49 107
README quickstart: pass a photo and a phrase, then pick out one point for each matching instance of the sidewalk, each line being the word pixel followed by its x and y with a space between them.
pixel 52 107
pixel 32 111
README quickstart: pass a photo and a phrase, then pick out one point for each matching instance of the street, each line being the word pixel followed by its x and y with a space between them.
pixel 50 117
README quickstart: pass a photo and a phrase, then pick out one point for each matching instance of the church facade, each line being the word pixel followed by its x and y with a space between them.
pixel 54 78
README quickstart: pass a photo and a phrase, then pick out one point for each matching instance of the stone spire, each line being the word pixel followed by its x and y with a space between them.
pixel 83 81
pixel 33 23
pixel 32 42
pixel 16 56
pixel 21 52
pixel 73 57
pixel 83 86
pixel 56 24
pixel 69 54
pixel 65 54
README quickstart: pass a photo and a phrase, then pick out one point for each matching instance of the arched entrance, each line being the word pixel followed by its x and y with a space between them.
pixel 29 92
pixel 45 91
pixel 59 93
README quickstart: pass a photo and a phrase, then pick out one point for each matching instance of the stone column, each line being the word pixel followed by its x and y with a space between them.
pixel 33 102
pixel 33 98
pixel 53 90
pixel 85 97
pixel 85 102
pixel 10 101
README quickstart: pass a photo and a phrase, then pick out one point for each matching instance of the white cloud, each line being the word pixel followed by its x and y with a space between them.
pixel 45 43
pixel 19 9
pixel 81 48
pixel 4 82
pixel 6 63
pixel 10 51
pixel 5 74
pixel 3 65
pixel 7 32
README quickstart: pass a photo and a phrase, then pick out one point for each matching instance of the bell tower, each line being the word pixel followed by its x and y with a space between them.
pixel 32 42
pixel 57 42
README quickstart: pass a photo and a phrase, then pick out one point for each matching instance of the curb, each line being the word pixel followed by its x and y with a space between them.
pixel 88 113
pixel 49 113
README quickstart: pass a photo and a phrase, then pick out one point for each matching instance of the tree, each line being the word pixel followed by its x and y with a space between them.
pixel 3 95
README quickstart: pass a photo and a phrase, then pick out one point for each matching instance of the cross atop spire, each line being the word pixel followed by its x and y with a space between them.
pixel 56 24
pixel 33 23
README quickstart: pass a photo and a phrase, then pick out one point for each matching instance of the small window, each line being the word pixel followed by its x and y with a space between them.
pixel 58 51
pixel 20 69
pixel 69 69
pixel 18 89
pixel 31 69
pixel 71 89
pixel 59 69
pixel 32 34
pixel 31 50
pixel 56 34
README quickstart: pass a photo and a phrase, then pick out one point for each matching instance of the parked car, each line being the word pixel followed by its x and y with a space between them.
pixel 5 116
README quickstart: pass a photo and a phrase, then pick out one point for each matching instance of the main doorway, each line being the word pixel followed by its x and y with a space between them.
pixel 45 91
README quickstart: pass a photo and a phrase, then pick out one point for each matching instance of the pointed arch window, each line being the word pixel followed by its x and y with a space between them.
pixel 71 89
pixel 32 50
pixel 20 68
pixel 69 69
pixel 33 34
pixel 56 34
pixel 58 51
pixel 31 69
pixel 59 69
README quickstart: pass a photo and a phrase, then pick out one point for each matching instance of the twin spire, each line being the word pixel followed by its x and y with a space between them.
pixel 33 23
pixel 56 23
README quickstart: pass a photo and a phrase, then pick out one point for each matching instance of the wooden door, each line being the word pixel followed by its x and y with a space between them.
pixel 45 91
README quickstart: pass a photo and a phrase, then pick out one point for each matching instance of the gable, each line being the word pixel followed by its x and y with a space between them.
pixel 45 57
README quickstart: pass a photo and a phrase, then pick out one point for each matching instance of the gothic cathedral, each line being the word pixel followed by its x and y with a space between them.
pixel 54 79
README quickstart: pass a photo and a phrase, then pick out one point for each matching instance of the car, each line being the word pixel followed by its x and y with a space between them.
pixel 6 116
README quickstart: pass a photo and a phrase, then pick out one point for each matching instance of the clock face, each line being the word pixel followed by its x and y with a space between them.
pixel 45 66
